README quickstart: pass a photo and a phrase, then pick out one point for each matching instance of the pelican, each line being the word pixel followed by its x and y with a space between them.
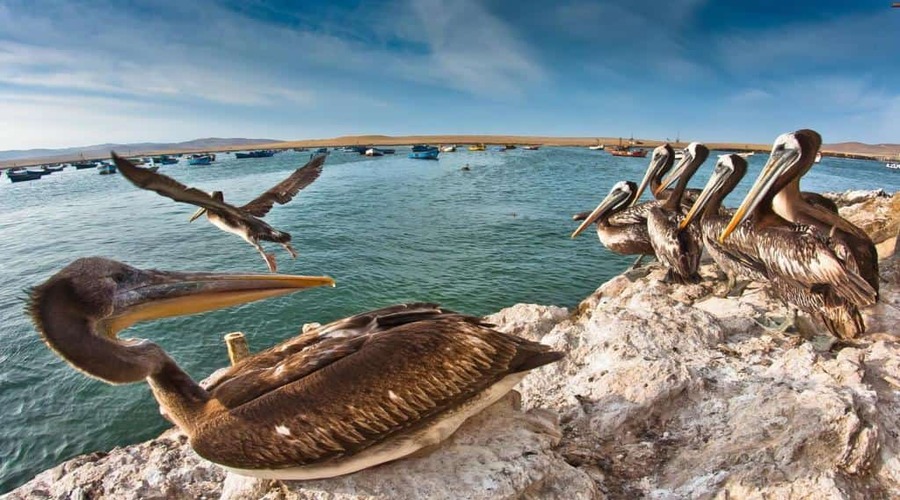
pixel 339 398
pixel 805 267
pixel 736 255
pixel 622 224
pixel 243 221
pixel 679 250
pixel 796 154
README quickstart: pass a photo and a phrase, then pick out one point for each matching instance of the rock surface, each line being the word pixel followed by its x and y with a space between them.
pixel 667 391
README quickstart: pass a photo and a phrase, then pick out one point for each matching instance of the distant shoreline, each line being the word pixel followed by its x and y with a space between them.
pixel 383 140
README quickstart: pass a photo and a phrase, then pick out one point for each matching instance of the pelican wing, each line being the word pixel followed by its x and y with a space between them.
pixel 636 214
pixel 397 377
pixel 285 190
pixel 167 186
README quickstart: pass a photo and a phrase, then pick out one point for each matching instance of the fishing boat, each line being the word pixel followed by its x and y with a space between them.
pixel 164 159
pixel 450 148
pixel 199 160
pixel 84 164
pixel 106 168
pixel 893 165
pixel 818 156
pixel 427 154
pixel 597 147
pixel 532 147
pixel 319 151
pixel 497 148
pixel 373 152
pixel 54 168
pixel 21 175
pixel 627 151
pixel 510 146
pixel 386 151
pixel 746 155
pixel 477 147
pixel 262 153
pixel 301 150
pixel 418 148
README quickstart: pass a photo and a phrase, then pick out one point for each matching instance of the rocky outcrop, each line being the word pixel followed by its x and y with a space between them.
pixel 667 391
pixel 875 212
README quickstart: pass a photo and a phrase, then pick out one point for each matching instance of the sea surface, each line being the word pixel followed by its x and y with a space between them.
pixel 387 229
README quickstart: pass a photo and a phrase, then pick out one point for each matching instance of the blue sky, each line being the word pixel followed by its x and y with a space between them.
pixel 77 73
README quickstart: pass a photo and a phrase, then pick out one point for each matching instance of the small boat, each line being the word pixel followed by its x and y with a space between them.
pixel 597 147
pixel 164 159
pixel 427 154
pixel 510 146
pixel 199 159
pixel 300 150
pixel 451 148
pixel 354 149
pixel 497 148
pixel 893 165
pixel 532 147
pixel 320 151
pixel 477 147
pixel 138 161
pixel 373 152
pixel 84 164
pixel 386 151
pixel 626 151
pixel 746 155
pixel 418 148
pixel 262 153
pixel 55 168
pixel 818 156
pixel 21 175
pixel 679 154
pixel 106 168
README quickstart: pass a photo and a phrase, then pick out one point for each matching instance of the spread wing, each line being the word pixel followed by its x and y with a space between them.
pixel 167 186
pixel 285 190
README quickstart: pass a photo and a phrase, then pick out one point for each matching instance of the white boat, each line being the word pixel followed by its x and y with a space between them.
pixel 448 149
pixel 373 152
pixel 893 166
pixel 818 156
pixel 748 154
pixel 679 154
pixel 598 147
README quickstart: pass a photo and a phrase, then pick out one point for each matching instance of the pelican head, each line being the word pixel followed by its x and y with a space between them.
pixel 620 196
pixel 728 171
pixel 660 163
pixel 81 309
pixel 792 155
pixel 693 156
pixel 217 195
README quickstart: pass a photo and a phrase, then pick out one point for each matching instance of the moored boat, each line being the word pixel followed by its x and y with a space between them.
pixel 21 175
pixel 597 147
pixel 84 164
pixel 477 147
pixel 373 152
pixel 199 160
pixel 818 156
pixel 449 148
pixel 164 159
pixel 427 154
pixel 106 168
pixel 626 151
pixel 531 147
pixel 262 153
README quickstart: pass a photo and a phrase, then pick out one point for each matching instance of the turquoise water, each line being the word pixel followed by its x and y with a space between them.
pixel 387 229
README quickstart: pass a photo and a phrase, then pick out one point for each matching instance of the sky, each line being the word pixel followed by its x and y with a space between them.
pixel 75 73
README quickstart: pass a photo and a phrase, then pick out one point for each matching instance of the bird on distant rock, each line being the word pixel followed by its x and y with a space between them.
pixel 244 221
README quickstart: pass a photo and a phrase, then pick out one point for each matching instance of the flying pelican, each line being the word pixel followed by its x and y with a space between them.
pixel 806 268
pixel 736 255
pixel 796 153
pixel 622 224
pixel 243 221
pixel 339 398
pixel 678 250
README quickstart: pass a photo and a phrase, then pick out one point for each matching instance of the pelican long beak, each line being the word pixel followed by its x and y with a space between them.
pixel 715 182
pixel 653 169
pixel 614 198
pixel 675 173
pixel 159 294
pixel 197 214
pixel 779 161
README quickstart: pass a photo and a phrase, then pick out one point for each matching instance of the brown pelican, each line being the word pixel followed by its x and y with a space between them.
pixel 678 250
pixel 622 224
pixel 795 154
pixel 803 264
pixel 337 399
pixel 243 221
pixel 736 256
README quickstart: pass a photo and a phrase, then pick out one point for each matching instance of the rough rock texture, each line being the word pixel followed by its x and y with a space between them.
pixel 875 212
pixel 667 391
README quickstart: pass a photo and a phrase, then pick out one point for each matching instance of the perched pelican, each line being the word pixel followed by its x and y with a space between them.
pixel 620 227
pixel 736 256
pixel 795 154
pixel 621 224
pixel 243 221
pixel 679 250
pixel 337 399
pixel 806 268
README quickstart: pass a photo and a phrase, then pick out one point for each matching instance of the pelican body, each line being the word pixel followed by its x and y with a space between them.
pixel 349 395
pixel 245 221
pixel 809 271
pixel 678 250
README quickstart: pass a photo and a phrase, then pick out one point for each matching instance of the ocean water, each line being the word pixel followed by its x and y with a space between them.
pixel 387 229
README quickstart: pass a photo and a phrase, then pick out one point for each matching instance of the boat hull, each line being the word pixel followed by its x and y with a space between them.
pixel 431 154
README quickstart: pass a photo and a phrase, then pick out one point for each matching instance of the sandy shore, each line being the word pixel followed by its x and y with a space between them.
pixel 843 150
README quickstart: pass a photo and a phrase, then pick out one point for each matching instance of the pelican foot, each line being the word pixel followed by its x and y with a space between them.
pixel 637 263
pixel 270 261
pixel 290 249
pixel 737 289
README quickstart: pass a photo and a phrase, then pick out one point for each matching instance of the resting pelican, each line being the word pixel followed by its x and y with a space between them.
pixel 243 221
pixel 735 256
pixel 678 250
pixel 337 399
pixel 807 270
pixel 622 224
pixel 796 154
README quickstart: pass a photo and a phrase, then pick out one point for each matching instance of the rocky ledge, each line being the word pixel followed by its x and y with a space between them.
pixel 667 391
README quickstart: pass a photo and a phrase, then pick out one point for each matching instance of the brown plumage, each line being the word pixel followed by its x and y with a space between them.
pixel 243 221
pixel 339 398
